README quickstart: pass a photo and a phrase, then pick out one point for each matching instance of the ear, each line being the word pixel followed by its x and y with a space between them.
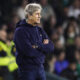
pixel 29 16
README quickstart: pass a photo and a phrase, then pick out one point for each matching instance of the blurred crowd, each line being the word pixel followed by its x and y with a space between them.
pixel 60 20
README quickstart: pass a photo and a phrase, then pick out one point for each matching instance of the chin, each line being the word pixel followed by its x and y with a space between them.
pixel 38 22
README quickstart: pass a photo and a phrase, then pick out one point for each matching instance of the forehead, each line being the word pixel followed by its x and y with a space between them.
pixel 38 11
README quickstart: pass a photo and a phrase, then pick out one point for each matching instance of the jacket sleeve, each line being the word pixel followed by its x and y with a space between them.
pixel 23 44
pixel 47 48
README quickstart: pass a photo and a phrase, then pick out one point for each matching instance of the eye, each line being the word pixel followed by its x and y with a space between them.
pixel 37 13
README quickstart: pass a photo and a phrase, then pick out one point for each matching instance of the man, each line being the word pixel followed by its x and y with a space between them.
pixel 32 44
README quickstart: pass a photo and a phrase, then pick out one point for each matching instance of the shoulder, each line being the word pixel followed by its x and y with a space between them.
pixel 1 48
pixel 21 30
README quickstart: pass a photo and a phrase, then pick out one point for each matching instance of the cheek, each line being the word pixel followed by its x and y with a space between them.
pixel 35 18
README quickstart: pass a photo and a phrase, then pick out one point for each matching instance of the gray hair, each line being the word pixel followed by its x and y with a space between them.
pixel 31 8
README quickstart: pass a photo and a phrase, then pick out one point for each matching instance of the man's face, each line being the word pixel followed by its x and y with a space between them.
pixel 36 16
pixel 3 34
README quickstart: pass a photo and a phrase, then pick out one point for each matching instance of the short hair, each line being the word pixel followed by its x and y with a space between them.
pixel 31 8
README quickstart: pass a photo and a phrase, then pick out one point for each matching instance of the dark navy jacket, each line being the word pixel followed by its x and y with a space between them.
pixel 25 36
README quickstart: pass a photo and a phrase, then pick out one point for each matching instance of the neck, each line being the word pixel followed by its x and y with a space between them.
pixel 31 22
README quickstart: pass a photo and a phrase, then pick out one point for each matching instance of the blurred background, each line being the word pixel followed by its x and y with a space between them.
pixel 60 20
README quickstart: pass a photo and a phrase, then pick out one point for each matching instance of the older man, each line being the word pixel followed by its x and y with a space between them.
pixel 32 44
